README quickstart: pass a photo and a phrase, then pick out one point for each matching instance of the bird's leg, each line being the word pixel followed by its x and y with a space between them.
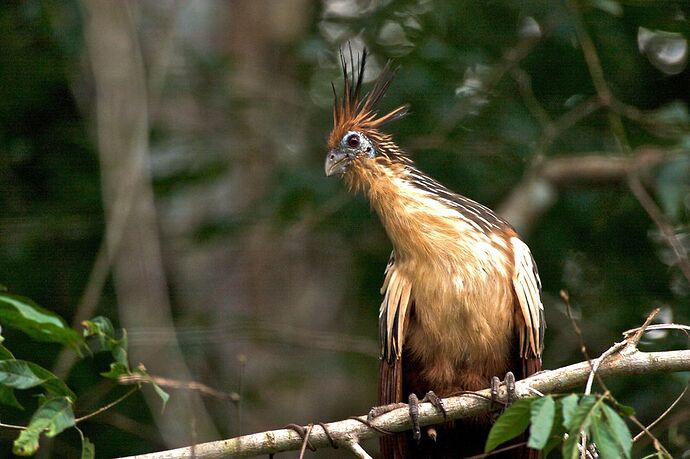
pixel 510 388
pixel 510 391
pixel 432 398
pixel 413 404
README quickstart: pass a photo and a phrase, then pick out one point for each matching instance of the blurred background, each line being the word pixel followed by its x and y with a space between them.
pixel 161 163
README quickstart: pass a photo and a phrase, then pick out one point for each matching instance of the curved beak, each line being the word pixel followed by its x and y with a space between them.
pixel 336 162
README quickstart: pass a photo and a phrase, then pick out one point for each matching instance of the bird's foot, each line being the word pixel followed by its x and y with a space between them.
pixel 413 406
pixel 509 381
pixel 377 411
pixel 432 398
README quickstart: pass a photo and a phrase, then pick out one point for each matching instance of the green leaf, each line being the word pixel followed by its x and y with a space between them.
pixel 570 447
pixel 17 374
pixel 556 437
pixel 579 420
pixel 609 6
pixel 582 415
pixel 20 374
pixel 542 414
pixel 619 430
pixel 553 443
pixel 674 113
pixel 603 438
pixel 88 449
pixel 116 370
pixel 51 418
pixel 7 398
pixel 38 323
pixel 101 328
pixel 5 353
pixel 625 410
pixel 159 390
pixel 672 186
pixel 510 424
pixel 162 394
pixel 569 405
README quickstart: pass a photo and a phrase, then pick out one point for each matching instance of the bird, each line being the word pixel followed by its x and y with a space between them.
pixel 461 291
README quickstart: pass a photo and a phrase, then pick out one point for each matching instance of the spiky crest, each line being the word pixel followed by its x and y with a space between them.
pixel 356 112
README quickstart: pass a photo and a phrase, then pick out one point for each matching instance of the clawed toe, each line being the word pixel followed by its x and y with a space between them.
pixel 413 406
pixel 383 409
pixel 437 402
pixel 510 388
pixel 432 398
pixel 509 381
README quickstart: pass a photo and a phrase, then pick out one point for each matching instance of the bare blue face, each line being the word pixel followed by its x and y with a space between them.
pixel 352 145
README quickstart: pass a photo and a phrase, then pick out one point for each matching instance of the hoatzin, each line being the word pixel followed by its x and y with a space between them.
pixel 462 296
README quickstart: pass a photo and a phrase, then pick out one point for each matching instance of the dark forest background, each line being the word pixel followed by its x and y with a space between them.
pixel 161 164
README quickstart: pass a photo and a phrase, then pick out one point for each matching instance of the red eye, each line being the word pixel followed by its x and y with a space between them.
pixel 353 141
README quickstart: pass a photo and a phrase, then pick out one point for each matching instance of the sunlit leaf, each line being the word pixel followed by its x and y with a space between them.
pixel 542 414
pixel 38 323
pixel 510 424
pixel 20 374
pixel 51 418
pixel 99 326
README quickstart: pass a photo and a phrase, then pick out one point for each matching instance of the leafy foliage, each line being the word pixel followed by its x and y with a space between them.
pixel 563 420
pixel 38 323
pixel 55 411
pixel 52 417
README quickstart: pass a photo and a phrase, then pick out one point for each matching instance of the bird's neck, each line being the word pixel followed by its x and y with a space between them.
pixel 415 220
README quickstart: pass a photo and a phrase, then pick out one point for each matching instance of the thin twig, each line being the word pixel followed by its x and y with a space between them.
pixel 497 451
pixel 524 82
pixel 310 427
pixel 663 415
pixel 583 348
pixel 12 426
pixel 595 365
pixel 683 328
pixel 661 222
pixel 635 339
pixel 106 407
pixel 176 384
pixel 655 441
pixel 631 342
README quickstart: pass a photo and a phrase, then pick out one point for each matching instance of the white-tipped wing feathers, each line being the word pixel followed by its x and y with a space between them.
pixel 528 292
pixel 397 291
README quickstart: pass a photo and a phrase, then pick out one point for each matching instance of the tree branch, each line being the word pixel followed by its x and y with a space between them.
pixel 539 188
pixel 343 432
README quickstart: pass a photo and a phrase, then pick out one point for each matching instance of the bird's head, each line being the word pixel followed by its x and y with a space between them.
pixel 356 144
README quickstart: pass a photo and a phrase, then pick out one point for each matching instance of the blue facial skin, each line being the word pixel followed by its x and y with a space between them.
pixel 352 145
